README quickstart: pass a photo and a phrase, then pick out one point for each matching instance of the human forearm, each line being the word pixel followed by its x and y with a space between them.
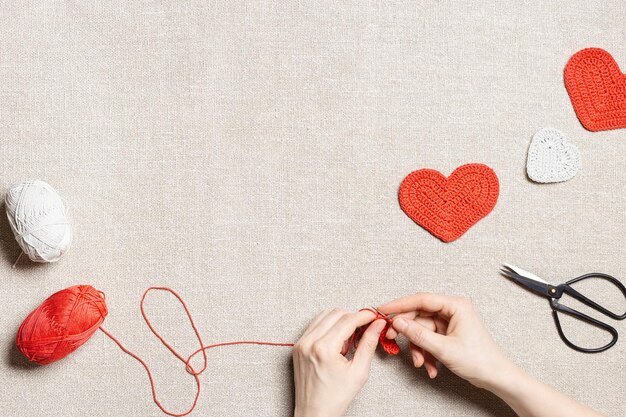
pixel 462 343
pixel 529 397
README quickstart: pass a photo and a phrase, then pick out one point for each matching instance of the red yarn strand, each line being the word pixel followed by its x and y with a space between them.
pixel 187 361
pixel 68 318
pixel 152 386
pixel 389 345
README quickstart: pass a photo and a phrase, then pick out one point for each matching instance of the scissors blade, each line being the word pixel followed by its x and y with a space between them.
pixel 527 279
pixel 524 273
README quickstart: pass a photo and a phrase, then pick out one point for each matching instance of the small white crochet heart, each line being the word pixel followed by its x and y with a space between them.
pixel 551 158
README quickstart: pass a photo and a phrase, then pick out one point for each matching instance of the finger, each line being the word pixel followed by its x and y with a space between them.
pixel 417 354
pixel 427 322
pixel 367 346
pixel 441 326
pixel 316 321
pixel 326 323
pixel 432 303
pixel 347 325
pixel 420 335
pixel 391 332
pixel 430 363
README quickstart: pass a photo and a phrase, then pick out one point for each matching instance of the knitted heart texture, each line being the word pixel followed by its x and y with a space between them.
pixel 597 89
pixel 551 158
pixel 448 207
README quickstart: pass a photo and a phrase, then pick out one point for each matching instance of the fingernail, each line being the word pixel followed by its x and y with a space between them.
pixel 400 324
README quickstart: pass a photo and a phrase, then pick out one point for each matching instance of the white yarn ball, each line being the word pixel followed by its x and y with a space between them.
pixel 38 219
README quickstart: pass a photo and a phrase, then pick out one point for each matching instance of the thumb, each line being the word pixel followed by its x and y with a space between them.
pixel 420 335
pixel 367 345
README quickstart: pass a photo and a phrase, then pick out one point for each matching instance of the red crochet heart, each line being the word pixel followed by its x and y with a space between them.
pixel 597 89
pixel 448 207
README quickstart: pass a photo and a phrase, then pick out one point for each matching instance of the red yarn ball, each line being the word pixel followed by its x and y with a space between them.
pixel 61 324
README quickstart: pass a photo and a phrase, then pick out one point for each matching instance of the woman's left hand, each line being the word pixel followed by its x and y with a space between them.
pixel 326 382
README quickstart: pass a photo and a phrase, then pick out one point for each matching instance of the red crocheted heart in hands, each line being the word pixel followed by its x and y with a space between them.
pixel 448 207
pixel 597 89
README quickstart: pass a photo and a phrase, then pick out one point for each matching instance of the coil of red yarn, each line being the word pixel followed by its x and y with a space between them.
pixel 61 324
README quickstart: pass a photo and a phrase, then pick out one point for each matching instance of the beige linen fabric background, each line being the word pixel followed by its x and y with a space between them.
pixel 249 156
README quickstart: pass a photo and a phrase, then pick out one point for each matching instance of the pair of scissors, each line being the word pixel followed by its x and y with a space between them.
pixel 555 292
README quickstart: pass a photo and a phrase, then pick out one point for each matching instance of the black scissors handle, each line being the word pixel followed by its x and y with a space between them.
pixel 567 289
pixel 556 308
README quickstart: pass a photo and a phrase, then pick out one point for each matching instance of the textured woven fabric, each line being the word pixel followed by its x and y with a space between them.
pixel 249 154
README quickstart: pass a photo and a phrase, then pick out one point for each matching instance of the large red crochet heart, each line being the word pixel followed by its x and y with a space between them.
pixel 597 89
pixel 448 207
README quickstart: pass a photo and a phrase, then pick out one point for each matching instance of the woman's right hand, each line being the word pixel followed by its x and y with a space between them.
pixel 449 329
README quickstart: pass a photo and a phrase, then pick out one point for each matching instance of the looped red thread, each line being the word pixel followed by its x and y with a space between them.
pixel 185 361
pixel 188 367
pixel 390 346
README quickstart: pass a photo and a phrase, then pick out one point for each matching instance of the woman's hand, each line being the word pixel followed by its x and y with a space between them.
pixel 326 382
pixel 450 330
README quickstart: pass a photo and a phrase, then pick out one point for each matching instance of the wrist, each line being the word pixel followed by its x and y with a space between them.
pixel 507 379
pixel 307 412
pixel 299 412
pixel 502 376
